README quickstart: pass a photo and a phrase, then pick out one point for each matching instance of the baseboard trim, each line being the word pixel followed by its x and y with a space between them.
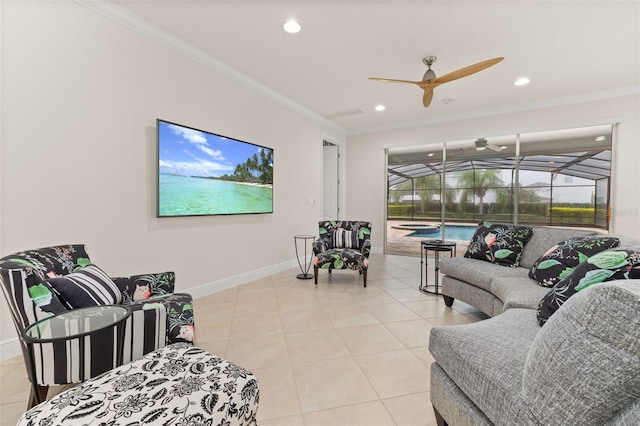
pixel 10 348
pixel 236 280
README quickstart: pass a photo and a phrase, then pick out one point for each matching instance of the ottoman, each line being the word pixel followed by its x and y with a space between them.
pixel 179 384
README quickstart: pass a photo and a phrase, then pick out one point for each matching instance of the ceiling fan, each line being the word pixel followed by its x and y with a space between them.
pixel 482 144
pixel 430 81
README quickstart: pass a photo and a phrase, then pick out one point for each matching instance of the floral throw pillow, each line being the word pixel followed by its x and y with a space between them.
pixel 498 243
pixel 561 259
pixel 614 264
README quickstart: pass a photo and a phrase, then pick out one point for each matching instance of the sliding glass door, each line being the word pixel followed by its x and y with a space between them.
pixel 555 178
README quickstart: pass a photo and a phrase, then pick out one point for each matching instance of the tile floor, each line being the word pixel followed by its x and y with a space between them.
pixel 332 354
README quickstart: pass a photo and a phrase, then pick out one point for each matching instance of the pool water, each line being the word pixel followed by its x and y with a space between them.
pixel 451 232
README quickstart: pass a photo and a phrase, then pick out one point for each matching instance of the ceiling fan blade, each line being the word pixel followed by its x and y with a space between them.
pixel 463 72
pixel 495 148
pixel 426 98
pixel 391 80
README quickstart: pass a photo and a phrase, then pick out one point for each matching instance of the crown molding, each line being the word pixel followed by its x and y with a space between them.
pixel 134 23
pixel 567 100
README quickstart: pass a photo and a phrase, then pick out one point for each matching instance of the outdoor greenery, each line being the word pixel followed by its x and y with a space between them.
pixel 477 183
pixel 254 170
pixel 419 199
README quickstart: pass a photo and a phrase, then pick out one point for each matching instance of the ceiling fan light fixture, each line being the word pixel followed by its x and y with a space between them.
pixel 292 26
pixel 429 75
pixel 480 148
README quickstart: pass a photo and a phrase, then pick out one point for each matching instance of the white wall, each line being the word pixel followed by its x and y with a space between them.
pixel 366 166
pixel 80 98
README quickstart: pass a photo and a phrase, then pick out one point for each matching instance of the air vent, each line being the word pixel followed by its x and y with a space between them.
pixel 341 114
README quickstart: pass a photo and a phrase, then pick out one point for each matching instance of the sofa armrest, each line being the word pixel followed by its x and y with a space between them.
pixel 583 364
pixel 366 248
pixel 140 287
pixel 318 246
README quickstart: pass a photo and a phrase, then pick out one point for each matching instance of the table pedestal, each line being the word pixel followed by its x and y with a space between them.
pixel 305 239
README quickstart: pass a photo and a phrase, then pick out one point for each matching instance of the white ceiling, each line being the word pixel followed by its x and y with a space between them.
pixel 571 50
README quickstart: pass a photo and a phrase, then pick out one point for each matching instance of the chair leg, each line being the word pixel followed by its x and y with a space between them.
pixel 364 277
pixel 315 275
pixel 42 394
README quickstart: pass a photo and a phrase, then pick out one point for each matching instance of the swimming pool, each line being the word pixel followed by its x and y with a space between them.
pixel 451 232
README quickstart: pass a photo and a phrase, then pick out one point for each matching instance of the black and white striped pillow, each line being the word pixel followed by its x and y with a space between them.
pixel 89 286
pixel 342 238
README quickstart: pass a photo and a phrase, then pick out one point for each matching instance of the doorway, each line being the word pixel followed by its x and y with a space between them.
pixel 330 181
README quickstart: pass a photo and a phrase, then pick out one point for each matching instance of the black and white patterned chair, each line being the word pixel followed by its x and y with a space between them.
pixel 179 384
pixel 43 282
pixel 344 244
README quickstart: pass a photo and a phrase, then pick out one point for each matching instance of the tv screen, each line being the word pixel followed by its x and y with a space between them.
pixel 202 173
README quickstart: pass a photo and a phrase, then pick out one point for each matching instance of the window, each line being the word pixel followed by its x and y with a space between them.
pixel 559 178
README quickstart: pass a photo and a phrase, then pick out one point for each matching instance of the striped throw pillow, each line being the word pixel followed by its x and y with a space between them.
pixel 89 286
pixel 342 238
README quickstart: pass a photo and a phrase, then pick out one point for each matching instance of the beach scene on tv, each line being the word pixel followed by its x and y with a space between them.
pixel 201 173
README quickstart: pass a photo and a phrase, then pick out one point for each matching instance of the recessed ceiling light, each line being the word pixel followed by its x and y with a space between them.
pixel 380 108
pixel 522 81
pixel 430 154
pixel 292 26
pixel 600 138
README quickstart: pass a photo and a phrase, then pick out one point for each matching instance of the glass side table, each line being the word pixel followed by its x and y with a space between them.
pixel 76 324
pixel 437 247
pixel 305 239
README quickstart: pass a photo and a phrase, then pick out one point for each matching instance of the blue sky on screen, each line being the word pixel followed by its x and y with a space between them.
pixel 189 152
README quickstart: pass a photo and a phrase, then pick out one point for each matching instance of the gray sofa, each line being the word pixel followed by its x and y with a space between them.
pixel 494 288
pixel 581 368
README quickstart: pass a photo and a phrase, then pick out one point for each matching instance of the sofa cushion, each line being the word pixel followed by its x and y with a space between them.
pixel 560 259
pixel 342 238
pixel 477 272
pixel 518 292
pixel 144 286
pixel 88 286
pixel 544 237
pixel 498 243
pixel 608 265
pixel 582 367
pixel 341 259
pixel 486 360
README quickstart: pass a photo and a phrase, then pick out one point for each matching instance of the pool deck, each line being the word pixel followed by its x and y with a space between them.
pixel 399 243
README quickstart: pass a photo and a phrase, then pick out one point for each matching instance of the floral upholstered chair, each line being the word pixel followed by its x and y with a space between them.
pixel 43 282
pixel 342 244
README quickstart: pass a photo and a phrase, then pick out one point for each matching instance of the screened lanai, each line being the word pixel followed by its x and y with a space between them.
pixel 553 178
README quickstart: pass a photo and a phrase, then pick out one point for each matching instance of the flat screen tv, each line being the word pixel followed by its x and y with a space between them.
pixel 202 173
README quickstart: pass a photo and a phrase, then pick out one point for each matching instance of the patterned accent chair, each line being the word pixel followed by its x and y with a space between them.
pixel 342 244
pixel 158 315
